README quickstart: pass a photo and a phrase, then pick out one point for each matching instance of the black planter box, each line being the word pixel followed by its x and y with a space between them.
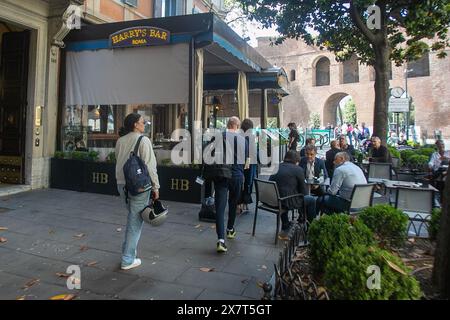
pixel 178 184
pixel 67 174
pixel 100 177
pixel 83 176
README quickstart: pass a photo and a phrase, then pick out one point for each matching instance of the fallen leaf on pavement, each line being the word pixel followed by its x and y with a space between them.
pixel 63 297
pixel 197 226
pixel 62 275
pixel 93 263
pixel 3 228
pixel 80 235
pixel 3 240
pixel 119 229
pixel 213 226
pixel 263 267
pixel 30 283
pixel 260 284
pixel 21 298
pixel 83 248
pixel 207 269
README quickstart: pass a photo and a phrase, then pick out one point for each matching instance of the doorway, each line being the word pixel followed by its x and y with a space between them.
pixel 14 63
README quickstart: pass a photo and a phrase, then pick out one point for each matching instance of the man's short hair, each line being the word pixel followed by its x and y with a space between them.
pixel 292 156
pixel 233 121
pixel 310 147
pixel 344 155
pixel 334 143
pixel 376 138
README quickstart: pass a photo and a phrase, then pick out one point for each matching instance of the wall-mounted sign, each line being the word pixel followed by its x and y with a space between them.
pixel 139 37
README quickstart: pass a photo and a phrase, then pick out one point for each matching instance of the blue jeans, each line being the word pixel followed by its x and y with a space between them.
pixel 134 224
pixel 222 186
pixel 334 204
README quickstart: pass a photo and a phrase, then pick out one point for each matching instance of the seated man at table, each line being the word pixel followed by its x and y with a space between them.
pixel 329 157
pixel 436 165
pixel 346 175
pixel 291 180
pixel 313 167
pixel 309 142
pixel 344 146
pixel 379 153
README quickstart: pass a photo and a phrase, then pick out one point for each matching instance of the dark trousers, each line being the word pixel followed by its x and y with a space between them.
pixel 334 204
pixel 222 187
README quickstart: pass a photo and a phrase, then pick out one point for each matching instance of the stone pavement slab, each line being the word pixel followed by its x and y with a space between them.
pixel 49 230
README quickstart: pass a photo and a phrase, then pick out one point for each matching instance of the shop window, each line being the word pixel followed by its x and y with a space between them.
pixel 323 72
pixel 101 119
pixel 420 67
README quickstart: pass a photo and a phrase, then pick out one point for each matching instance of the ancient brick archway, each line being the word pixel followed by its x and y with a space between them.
pixel 330 108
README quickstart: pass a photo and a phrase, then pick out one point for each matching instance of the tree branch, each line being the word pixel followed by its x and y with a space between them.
pixel 356 17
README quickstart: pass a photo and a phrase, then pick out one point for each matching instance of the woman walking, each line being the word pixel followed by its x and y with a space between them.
pixel 134 127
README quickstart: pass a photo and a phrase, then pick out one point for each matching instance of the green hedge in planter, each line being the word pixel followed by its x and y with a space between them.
pixel 348 270
pixel 435 223
pixel 388 224
pixel 332 233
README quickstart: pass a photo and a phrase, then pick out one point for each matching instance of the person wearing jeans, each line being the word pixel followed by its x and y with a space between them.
pixel 134 127
pixel 134 225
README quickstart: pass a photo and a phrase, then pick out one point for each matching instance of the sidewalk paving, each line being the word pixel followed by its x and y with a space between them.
pixel 49 230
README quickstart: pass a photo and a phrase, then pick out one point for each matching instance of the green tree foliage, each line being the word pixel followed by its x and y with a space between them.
pixel 314 120
pixel 407 30
pixel 350 112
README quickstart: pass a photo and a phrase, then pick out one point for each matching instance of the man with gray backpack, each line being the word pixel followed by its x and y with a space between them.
pixel 137 181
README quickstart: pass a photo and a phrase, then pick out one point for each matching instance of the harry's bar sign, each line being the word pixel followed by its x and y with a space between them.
pixel 138 37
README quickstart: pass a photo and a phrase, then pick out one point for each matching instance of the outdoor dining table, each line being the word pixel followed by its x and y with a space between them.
pixel 316 182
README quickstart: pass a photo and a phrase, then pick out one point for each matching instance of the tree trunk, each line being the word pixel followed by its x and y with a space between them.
pixel 441 271
pixel 380 122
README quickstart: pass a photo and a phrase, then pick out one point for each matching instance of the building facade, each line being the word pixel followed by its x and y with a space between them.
pixel 31 34
pixel 318 83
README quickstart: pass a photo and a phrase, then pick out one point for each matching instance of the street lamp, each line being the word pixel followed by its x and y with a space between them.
pixel 407 96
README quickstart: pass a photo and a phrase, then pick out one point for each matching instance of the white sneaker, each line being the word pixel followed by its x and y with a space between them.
pixel 136 263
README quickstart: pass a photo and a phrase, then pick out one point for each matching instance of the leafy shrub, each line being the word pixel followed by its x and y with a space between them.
pixel 433 229
pixel 347 275
pixel 394 152
pixel 93 155
pixel 58 155
pixel 80 155
pixel 406 154
pixel 426 152
pixel 111 157
pixel 387 223
pixel 332 233
pixel 418 160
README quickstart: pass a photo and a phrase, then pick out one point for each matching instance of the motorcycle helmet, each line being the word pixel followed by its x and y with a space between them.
pixel 155 214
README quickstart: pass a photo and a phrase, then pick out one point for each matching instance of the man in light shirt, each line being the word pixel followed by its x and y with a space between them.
pixel 438 160
pixel 346 175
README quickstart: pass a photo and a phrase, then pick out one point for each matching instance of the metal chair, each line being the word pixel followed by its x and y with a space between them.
pixel 380 170
pixel 268 199
pixel 362 197
pixel 417 204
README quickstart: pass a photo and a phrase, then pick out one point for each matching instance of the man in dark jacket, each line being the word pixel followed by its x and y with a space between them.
pixel 379 153
pixel 291 180
pixel 329 157
pixel 313 167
